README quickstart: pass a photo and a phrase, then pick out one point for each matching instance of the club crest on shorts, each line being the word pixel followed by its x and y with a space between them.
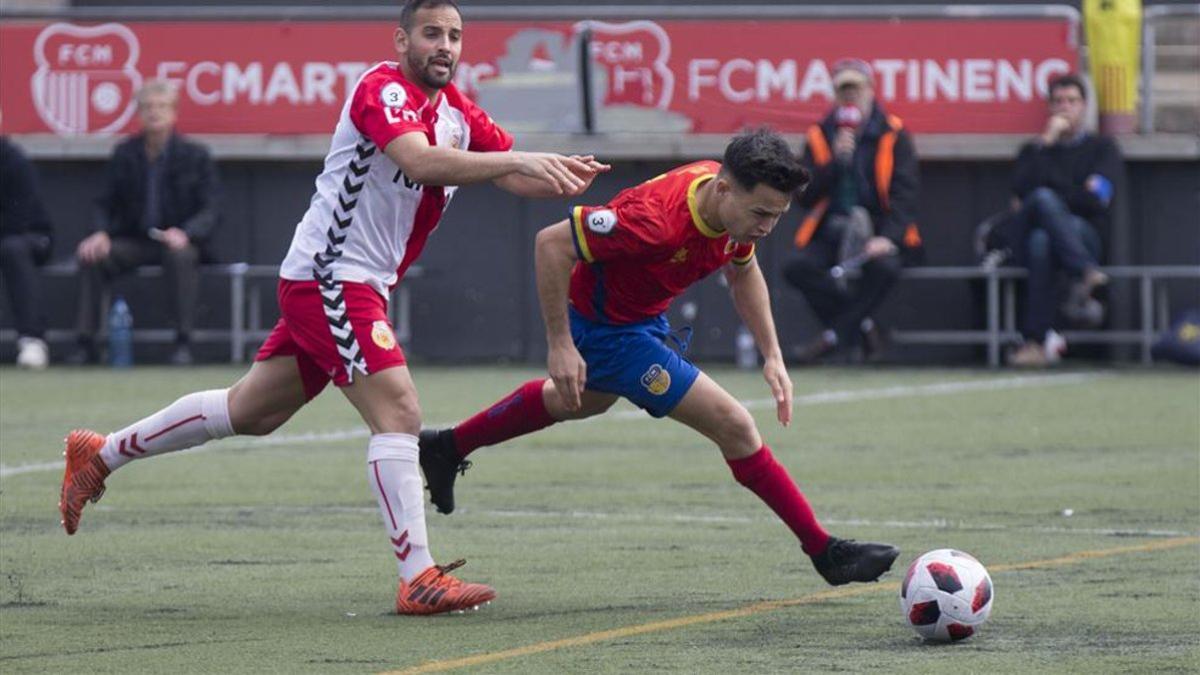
pixel 656 380
pixel 602 221
pixel 382 336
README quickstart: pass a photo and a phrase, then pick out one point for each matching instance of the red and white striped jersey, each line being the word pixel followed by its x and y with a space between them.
pixel 367 221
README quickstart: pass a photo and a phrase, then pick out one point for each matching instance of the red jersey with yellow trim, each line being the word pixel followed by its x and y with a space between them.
pixel 645 247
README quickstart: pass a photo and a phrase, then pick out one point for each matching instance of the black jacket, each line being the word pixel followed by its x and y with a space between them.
pixel 21 210
pixel 893 220
pixel 189 190
pixel 1064 168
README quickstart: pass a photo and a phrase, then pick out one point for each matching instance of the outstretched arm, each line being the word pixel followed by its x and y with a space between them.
pixel 435 165
pixel 554 253
pixel 753 304
pixel 525 186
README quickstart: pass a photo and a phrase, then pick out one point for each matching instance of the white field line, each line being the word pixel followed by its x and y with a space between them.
pixel 672 517
pixel 819 398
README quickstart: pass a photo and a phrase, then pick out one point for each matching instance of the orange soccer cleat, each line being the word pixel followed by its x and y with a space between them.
pixel 84 477
pixel 434 592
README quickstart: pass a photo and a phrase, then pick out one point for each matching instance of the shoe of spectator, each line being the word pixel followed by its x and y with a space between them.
pixel 1081 309
pixel 1055 346
pixel 1029 355
pixel 32 353
pixel 182 356
pixel 810 352
pixel 873 343
pixel 1094 278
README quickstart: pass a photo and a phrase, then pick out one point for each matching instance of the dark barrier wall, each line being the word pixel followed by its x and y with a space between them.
pixel 477 300
pixel 585 3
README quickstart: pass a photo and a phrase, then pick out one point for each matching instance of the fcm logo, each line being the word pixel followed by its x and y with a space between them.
pixel 86 77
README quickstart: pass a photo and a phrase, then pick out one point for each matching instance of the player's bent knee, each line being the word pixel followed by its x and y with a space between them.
pixel 738 433
pixel 401 414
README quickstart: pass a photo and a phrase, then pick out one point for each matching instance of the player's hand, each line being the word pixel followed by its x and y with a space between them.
pixel 593 169
pixel 569 372
pixel 94 248
pixel 175 239
pixel 560 172
pixel 776 375
pixel 877 247
pixel 1056 126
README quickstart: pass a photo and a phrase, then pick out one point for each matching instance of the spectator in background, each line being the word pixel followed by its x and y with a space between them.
pixel 159 206
pixel 26 239
pixel 860 214
pixel 1063 191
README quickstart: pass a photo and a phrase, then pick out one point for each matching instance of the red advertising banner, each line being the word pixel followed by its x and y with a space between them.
pixel 265 77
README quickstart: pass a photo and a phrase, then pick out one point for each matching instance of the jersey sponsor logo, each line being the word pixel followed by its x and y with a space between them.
pixel 656 380
pixel 408 182
pixel 382 336
pixel 393 95
pixel 680 256
pixel 398 116
pixel 602 221
pixel 86 77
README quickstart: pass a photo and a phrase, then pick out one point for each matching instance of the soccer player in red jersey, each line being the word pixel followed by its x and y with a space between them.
pixel 605 278
pixel 405 140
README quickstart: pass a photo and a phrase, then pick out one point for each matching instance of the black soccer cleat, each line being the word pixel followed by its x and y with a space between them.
pixel 845 560
pixel 442 465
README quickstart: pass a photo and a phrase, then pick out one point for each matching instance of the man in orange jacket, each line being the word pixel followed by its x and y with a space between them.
pixel 860 214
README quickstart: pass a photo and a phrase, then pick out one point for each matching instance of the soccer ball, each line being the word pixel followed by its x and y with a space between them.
pixel 946 595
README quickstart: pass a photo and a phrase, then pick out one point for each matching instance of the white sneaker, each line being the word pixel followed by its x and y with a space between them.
pixel 32 353
pixel 1055 346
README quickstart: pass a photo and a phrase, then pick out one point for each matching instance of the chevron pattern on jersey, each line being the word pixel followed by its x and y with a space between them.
pixel 323 261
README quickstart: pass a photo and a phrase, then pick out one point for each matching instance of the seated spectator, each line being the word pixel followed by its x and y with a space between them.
pixel 1063 186
pixel 159 207
pixel 861 212
pixel 26 239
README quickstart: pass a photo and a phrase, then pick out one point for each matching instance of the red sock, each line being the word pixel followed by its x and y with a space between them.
pixel 519 413
pixel 768 479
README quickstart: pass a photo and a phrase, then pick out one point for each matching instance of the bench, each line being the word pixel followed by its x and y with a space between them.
pixel 246 327
pixel 245 309
pixel 1000 306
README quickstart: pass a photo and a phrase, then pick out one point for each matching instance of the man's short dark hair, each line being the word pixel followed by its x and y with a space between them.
pixel 413 6
pixel 763 156
pixel 1067 80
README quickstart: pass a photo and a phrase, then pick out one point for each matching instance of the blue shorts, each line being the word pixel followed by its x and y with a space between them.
pixel 634 361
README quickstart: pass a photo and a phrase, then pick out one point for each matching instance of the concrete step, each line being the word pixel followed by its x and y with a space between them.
pixel 1178 31
pixel 1177 57
pixel 1177 119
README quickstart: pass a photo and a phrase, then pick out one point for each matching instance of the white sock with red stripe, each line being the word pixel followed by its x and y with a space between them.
pixel 392 471
pixel 193 420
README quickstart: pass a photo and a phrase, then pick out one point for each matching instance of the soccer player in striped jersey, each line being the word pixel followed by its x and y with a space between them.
pixel 405 140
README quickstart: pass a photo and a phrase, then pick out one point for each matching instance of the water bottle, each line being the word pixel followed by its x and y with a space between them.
pixel 120 334
pixel 745 353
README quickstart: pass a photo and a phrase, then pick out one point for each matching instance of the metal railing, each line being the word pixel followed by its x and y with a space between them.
pixel 1150 18
pixel 1000 308
pixel 246 327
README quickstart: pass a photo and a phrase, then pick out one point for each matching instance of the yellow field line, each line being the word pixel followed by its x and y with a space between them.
pixel 760 607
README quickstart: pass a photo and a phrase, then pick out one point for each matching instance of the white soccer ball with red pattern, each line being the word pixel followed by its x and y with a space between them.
pixel 946 595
